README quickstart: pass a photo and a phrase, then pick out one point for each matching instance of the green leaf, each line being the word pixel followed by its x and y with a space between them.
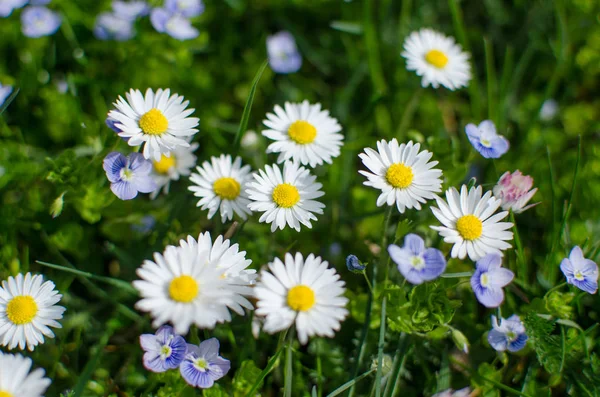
pixel 245 377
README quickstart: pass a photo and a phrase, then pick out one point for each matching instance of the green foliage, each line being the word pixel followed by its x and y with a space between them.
pixel 426 308
pixel 245 377
pixel 546 345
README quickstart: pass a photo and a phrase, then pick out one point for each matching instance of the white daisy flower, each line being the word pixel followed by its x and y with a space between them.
pixel 195 283
pixel 16 380
pixel 285 198
pixel 404 175
pixel 221 185
pixel 438 59
pixel 304 292
pixel 159 121
pixel 303 133
pixel 28 310
pixel 470 223
pixel 171 168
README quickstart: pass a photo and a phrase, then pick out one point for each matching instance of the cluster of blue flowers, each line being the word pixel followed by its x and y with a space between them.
pixel 36 20
pixel 200 366
pixel 173 18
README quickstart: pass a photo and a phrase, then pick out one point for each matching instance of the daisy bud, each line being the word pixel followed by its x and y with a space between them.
pixel 515 190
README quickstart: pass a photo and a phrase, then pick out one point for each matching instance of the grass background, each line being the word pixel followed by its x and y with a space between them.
pixel 523 52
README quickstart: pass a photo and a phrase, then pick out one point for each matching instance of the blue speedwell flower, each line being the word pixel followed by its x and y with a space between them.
pixel 283 53
pixel 486 141
pixel 37 21
pixel 8 6
pixel 175 25
pixel 353 264
pixel 202 365
pixel 130 10
pixel 579 271
pixel 109 26
pixel 508 335
pixel 5 91
pixel 417 263
pixel 128 175
pixel 164 350
pixel 489 279
pixel 186 8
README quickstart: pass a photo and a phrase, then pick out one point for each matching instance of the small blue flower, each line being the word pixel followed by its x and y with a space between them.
pixel 508 335
pixel 202 365
pixel 8 6
pixel 130 10
pixel 110 26
pixel 416 263
pixel 163 351
pixel 579 271
pixel 37 21
pixel 489 279
pixel 5 91
pixel 186 8
pixel 129 175
pixel 353 264
pixel 174 25
pixel 283 53
pixel 486 141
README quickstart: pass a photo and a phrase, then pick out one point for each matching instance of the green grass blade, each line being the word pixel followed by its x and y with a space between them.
pixel 347 27
pixel 8 100
pixel 123 285
pixel 349 384
pixel 372 45
pixel 492 85
pixel 270 366
pixel 289 372
pixel 248 107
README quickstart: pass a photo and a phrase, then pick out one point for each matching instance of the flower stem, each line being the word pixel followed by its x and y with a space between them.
pixel 559 286
pixel 287 390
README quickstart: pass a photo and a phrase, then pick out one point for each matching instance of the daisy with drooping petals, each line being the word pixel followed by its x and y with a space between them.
pixel 28 310
pixel 438 59
pixel 171 168
pixel 16 380
pixel 285 198
pixel 195 283
pixel 404 175
pixel 158 120
pixel 301 291
pixel 303 133
pixel 221 186
pixel 470 223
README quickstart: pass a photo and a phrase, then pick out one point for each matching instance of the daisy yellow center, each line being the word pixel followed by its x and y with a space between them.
pixel 227 188
pixel 21 310
pixel 469 227
pixel 165 163
pixel 436 58
pixel 183 289
pixel 399 175
pixel 302 132
pixel 301 298
pixel 5 394
pixel 154 122
pixel 286 195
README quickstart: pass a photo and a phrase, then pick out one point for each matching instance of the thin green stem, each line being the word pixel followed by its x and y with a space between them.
pixel 456 275
pixel 368 282
pixel 380 349
pixel 350 384
pixel 555 288
pixel 289 371
pixel 521 263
